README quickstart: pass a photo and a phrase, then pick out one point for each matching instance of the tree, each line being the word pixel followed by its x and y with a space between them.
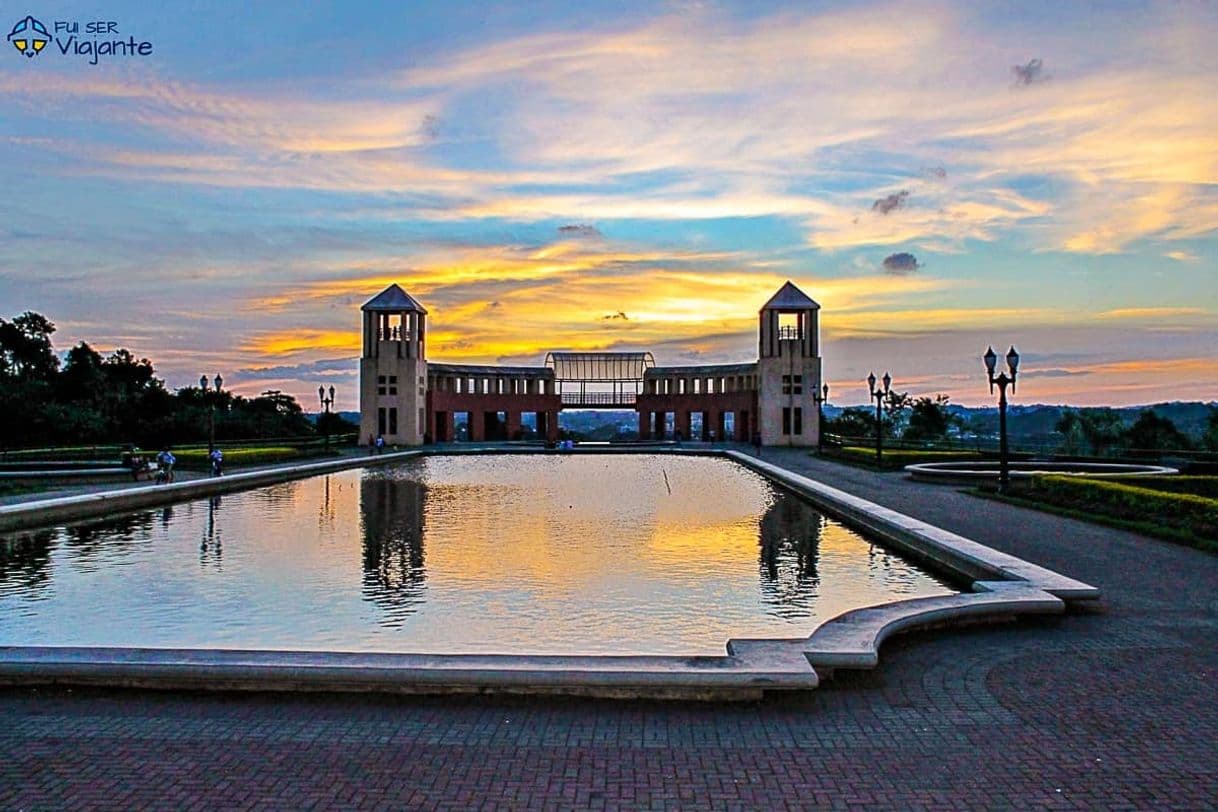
pixel 1210 438
pixel 1154 433
pixel 25 348
pixel 333 423
pixel 929 419
pixel 1070 427
pixel 1102 428
pixel 896 412
pixel 855 422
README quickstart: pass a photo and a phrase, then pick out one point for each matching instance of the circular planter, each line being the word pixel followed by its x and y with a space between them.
pixel 971 473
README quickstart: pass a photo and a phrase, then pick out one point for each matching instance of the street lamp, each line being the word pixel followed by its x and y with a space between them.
pixel 878 396
pixel 211 414
pixel 1002 380
pixel 326 403
pixel 821 400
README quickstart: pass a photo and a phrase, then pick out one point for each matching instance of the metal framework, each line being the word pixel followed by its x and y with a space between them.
pixel 599 367
pixel 622 371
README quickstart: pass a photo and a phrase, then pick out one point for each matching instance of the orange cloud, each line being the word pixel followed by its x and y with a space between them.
pixel 1133 313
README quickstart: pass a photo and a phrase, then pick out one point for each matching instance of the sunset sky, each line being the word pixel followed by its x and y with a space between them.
pixel 622 175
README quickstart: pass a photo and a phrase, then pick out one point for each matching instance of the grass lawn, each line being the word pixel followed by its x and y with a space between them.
pixel 895 459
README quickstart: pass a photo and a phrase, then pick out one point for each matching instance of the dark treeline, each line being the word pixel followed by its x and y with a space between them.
pixel 88 398
pixel 1089 431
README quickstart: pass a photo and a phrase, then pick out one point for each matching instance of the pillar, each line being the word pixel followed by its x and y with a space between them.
pixel 552 426
pixel 513 424
pixel 681 423
pixel 644 425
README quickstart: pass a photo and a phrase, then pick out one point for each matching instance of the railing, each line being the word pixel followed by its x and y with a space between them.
pixel 393 334
pixel 790 334
pixel 625 399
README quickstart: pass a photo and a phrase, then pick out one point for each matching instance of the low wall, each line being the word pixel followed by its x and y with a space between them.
pixel 46 512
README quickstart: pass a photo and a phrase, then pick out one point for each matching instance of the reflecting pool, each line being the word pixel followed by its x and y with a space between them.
pixel 470 554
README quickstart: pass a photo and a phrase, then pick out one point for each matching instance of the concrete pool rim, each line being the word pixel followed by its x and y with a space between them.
pixel 1002 587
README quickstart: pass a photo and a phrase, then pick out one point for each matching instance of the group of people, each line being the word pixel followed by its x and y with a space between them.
pixel 165 462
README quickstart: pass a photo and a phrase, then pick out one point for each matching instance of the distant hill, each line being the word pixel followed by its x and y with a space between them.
pixel 350 417
pixel 1031 422
pixel 1039 420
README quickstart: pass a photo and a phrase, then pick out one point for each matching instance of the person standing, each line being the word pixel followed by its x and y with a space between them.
pixel 217 462
pixel 166 460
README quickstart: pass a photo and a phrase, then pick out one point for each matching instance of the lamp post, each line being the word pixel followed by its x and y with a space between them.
pixel 878 396
pixel 821 399
pixel 326 403
pixel 210 398
pixel 1002 381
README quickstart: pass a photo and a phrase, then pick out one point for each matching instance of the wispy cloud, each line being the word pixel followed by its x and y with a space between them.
pixel 1151 312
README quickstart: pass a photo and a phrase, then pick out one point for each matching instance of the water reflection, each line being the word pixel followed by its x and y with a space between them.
pixel 25 562
pixel 391 518
pixel 789 541
pixel 211 550
pixel 551 554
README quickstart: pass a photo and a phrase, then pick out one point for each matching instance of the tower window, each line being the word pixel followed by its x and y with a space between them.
pixel 393 420
pixel 793 385
pixel 386 384
pixel 790 326
pixel 792 420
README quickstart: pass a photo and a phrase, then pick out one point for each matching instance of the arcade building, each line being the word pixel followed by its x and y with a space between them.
pixel 409 400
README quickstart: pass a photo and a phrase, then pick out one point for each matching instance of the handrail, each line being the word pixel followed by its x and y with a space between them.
pixel 598 398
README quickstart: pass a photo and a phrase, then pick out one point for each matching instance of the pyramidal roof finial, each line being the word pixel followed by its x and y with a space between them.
pixel 790 297
pixel 395 300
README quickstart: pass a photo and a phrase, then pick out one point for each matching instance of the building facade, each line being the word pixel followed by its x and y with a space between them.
pixel 408 401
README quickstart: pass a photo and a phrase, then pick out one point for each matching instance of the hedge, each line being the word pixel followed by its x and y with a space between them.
pixel 896 458
pixel 1191 518
pixel 197 457
pixel 1206 486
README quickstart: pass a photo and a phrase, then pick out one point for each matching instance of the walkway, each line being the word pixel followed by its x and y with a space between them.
pixel 1114 708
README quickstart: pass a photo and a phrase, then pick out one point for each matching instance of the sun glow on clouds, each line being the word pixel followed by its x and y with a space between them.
pixel 664 135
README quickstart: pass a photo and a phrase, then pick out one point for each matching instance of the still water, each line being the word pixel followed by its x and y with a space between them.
pixel 524 554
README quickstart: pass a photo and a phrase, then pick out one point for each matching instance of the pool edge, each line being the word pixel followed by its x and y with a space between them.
pixel 1004 586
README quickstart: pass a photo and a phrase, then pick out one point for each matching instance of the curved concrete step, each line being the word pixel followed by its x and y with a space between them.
pixel 853 639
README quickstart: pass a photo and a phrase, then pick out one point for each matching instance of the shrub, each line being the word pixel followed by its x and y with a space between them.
pixel 197 457
pixel 1206 486
pixel 1195 517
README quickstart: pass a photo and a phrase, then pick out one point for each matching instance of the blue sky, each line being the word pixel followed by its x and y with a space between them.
pixel 526 170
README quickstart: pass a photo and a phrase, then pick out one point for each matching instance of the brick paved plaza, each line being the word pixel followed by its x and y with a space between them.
pixel 1116 707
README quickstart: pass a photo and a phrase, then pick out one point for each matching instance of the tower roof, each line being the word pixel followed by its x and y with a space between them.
pixel 395 300
pixel 790 297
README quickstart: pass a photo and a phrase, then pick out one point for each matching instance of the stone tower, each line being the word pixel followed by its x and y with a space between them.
pixel 788 369
pixel 393 369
